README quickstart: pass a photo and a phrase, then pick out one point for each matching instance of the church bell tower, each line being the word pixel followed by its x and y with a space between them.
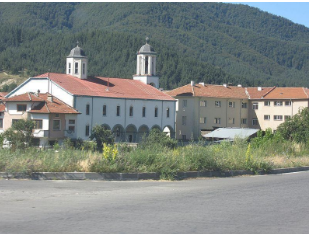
pixel 76 63
pixel 146 66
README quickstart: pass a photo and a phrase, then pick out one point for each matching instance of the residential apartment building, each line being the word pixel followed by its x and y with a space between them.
pixel 130 108
pixel 204 108
pixel 201 107
pixel 272 106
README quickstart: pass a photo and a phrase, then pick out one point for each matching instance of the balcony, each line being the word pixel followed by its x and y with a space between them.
pixel 40 133
pixel 69 134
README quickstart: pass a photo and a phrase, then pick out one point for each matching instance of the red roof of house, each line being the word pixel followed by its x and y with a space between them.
pixel 217 91
pixel 107 87
pixel 256 93
pixel 288 93
pixel 44 105
pixel 2 95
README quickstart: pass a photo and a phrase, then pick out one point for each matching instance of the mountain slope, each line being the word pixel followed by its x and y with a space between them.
pixel 248 45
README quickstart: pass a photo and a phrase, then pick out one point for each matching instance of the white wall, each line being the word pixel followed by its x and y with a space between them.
pixel 111 119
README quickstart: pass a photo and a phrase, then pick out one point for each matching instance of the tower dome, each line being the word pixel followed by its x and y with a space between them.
pixel 76 52
pixel 146 49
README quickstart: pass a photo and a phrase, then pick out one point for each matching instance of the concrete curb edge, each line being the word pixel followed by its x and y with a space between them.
pixel 139 176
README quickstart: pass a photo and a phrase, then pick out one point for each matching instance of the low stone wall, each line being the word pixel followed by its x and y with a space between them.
pixel 138 176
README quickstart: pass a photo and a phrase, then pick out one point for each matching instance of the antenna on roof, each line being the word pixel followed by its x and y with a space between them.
pixel 147 40
pixel 77 43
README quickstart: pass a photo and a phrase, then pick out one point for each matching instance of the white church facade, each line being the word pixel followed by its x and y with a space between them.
pixel 129 108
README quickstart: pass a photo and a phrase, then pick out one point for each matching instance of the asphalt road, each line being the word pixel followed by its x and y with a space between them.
pixel 254 204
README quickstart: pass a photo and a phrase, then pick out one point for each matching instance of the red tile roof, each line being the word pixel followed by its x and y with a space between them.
pixel 2 95
pixel 217 91
pixel 98 86
pixel 44 105
pixel 255 93
pixel 288 93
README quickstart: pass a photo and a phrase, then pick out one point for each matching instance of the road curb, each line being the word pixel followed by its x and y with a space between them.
pixel 139 176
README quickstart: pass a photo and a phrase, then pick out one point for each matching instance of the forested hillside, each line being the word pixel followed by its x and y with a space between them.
pixel 210 42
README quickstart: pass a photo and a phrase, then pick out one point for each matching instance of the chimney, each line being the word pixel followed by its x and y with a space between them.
pixel 192 83
pixel 259 89
pixel 225 85
pixel 50 98
pixel 239 85
pixel 201 83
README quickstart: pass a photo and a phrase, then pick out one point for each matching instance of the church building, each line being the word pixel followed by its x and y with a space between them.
pixel 130 108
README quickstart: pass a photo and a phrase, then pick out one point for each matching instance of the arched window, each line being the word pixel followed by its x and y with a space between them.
pixel 144 112
pixel 76 68
pixel 156 112
pixel 87 111
pixel 146 65
pixel 131 111
pixel 167 112
pixel 104 110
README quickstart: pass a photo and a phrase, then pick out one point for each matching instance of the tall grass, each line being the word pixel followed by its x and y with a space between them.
pixel 194 157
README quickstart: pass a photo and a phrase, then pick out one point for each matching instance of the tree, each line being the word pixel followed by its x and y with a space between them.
pixel 297 128
pixel 101 135
pixel 20 134
pixel 158 139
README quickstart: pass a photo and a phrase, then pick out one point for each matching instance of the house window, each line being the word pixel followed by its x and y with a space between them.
pixel 286 117
pixel 254 122
pixel 87 130
pixel 56 124
pixel 72 121
pixel 21 107
pixel 14 121
pixel 266 117
pixel 144 112
pixel 231 120
pixel 184 120
pixel 38 123
pixel 288 103
pixel 69 68
pixel 243 121
pixel 131 111
pixel 87 109
pixel 278 103
pixel 76 68
pixel 118 110
pixel 1 123
pixel 278 117
pixel 104 110
pixel 167 112
pixel 184 103
pixel 217 121
pixel 267 103
pixel 83 68
pixel 244 104
pixel 184 137
pixel 56 115
pixel 203 103
pixel 156 112
pixel 255 105
pixel 71 128
pixel 203 120
pixel 217 103
pixel 232 104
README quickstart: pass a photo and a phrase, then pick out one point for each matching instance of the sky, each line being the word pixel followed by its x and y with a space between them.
pixel 298 12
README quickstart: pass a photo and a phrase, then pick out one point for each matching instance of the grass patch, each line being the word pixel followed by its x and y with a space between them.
pixel 194 157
